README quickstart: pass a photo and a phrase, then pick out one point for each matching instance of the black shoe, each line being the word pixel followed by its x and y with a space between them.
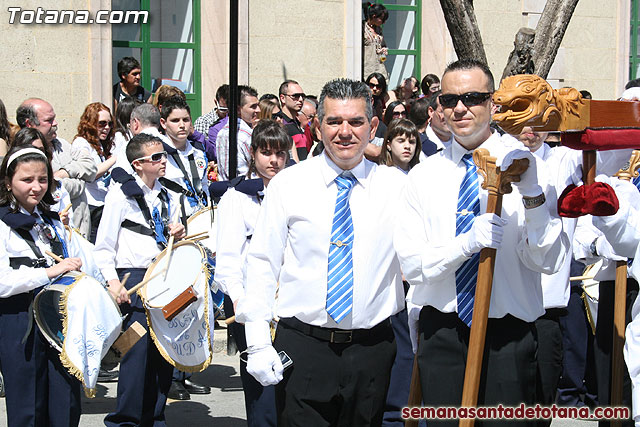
pixel 178 392
pixel 194 388
pixel 107 376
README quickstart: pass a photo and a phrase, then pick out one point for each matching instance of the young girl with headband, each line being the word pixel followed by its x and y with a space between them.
pixel 39 391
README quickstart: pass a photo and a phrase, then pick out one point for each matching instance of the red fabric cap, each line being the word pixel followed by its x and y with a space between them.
pixel 602 139
pixel 597 199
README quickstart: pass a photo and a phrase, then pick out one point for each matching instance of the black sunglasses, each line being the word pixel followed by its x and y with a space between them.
pixel 103 123
pixel 469 99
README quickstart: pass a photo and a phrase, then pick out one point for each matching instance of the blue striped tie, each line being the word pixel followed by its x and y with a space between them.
pixel 340 269
pixel 468 208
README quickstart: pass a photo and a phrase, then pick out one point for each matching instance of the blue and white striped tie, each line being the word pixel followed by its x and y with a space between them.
pixel 468 209
pixel 340 268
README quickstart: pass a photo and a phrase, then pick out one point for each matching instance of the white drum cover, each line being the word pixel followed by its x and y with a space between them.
pixel 186 341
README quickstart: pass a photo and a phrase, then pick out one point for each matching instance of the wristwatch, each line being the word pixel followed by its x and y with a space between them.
pixel 533 202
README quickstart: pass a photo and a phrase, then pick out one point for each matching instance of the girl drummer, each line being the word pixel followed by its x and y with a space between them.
pixel 237 215
pixel 39 391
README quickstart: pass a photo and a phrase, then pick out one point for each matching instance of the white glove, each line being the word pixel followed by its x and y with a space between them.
pixel 604 249
pixel 413 314
pixel 528 184
pixel 486 232
pixel 265 366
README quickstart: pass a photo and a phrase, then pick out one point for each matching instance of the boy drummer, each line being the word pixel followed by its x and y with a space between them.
pixel 135 227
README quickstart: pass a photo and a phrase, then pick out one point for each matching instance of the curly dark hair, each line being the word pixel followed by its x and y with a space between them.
pixel 88 128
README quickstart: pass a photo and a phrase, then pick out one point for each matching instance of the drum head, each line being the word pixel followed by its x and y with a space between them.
pixel 46 308
pixel 204 220
pixel 185 266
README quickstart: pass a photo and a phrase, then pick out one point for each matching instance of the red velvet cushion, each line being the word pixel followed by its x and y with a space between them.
pixel 602 139
pixel 597 199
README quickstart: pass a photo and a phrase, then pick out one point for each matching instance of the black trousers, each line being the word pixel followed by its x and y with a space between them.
pixel 39 390
pixel 145 377
pixel 549 357
pixel 604 343
pixel 259 401
pixel 577 386
pixel 333 384
pixel 95 213
pixel 509 362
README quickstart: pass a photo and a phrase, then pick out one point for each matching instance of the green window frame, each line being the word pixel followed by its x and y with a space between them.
pixel 146 45
pixel 634 57
pixel 417 10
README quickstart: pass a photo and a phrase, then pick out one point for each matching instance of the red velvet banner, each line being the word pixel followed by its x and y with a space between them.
pixel 602 139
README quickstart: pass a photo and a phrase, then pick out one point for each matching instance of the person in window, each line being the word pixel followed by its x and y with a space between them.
pixel 129 85
pixel 375 49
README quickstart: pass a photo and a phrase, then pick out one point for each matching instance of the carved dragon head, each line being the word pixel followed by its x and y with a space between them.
pixel 523 100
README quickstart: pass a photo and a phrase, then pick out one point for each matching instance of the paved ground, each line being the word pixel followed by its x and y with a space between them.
pixel 224 407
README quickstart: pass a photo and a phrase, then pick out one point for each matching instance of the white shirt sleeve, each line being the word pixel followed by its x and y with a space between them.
pixel 108 230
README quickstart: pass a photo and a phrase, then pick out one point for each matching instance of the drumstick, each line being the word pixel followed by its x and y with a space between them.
pixel 198 236
pixel 578 278
pixel 124 279
pixel 65 210
pixel 170 246
pixel 54 256
pixel 144 282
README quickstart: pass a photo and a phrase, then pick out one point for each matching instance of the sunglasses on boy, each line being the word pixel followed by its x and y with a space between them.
pixel 154 158
pixel 469 99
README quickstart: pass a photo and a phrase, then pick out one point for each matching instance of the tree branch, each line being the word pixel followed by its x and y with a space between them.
pixel 463 27
pixel 549 33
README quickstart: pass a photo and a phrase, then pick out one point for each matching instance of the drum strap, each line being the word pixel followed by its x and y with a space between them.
pixel 193 192
pixel 150 229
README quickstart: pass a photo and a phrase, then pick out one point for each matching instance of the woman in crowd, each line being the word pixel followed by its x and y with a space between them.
pixel 95 136
pixel 408 90
pixel 237 215
pixel 375 49
pixel 378 85
pixel 122 133
pixel 430 85
pixel 5 130
pixel 39 391
pixel 395 110
pixel 401 147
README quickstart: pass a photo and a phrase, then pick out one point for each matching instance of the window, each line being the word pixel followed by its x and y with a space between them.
pixel 167 46
pixel 402 33
pixel 634 59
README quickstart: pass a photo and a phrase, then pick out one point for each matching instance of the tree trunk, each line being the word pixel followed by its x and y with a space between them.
pixel 549 33
pixel 463 27
pixel 520 59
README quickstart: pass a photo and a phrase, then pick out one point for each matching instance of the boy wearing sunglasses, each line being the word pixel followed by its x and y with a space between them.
pixel 135 227
pixel 439 243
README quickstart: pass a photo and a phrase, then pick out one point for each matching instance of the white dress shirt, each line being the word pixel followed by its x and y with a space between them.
pixel 433 137
pixel 430 253
pixel 23 279
pixel 175 174
pixel 119 247
pixel 290 246
pixel 244 149
pixel 237 215
pixel 556 288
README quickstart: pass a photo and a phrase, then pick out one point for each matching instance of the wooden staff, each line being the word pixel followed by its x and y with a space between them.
pixel 497 183
pixel 628 172
pixel 415 392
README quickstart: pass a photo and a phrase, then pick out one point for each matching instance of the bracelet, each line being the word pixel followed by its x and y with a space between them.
pixel 533 202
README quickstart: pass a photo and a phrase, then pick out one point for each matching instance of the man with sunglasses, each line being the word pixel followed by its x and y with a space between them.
pixel 441 236
pixel 291 100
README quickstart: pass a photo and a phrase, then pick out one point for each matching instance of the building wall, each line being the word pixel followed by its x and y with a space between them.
pixel 67 65
pixel 593 54
pixel 303 40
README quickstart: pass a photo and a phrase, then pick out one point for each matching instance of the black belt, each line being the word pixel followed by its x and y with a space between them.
pixel 334 335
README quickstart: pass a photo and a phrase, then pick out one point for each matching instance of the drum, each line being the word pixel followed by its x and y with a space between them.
pixel 185 341
pixel 591 294
pixel 204 220
pixel 80 319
